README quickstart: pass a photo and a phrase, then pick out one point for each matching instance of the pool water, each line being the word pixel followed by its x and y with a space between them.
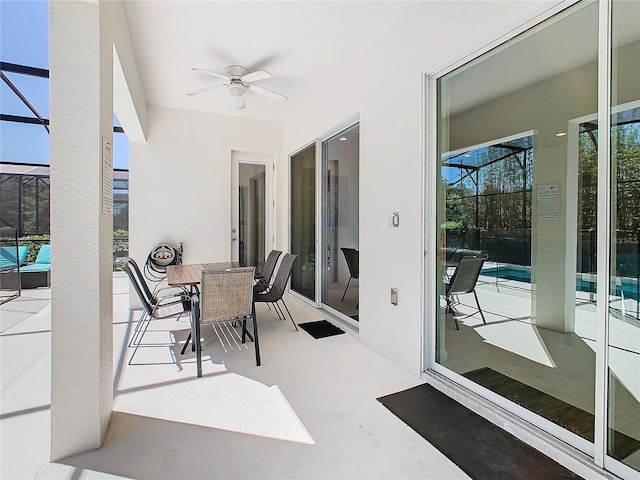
pixel 627 287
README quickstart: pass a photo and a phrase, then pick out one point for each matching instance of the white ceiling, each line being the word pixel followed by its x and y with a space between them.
pixel 301 43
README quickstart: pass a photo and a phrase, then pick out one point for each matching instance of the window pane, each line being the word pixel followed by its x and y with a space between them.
pixel 340 199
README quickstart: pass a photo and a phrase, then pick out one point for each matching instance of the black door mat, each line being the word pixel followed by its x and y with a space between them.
pixel 320 329
pixel 480 448
pixel 558 411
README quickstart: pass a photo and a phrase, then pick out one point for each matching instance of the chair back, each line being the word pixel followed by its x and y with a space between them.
pixel 146 303
pixel 466 275
pixel 140 279
pixel 282 277
pixel 13 256
pixel 352 256
pixel 270 265
pixel 44 254
pixel 226 295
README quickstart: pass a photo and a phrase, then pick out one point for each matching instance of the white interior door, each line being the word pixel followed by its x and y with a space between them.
pixel 252 207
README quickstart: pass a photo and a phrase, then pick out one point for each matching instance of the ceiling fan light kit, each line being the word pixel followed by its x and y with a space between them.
pixel 239 81
pixel 236 88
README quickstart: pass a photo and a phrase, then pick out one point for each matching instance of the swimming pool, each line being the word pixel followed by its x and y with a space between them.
pixel 627 287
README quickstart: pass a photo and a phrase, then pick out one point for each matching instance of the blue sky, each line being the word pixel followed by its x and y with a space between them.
pixel 24 39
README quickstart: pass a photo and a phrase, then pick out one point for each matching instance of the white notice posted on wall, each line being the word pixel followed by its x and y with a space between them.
pixel 548 204
pixel 107 177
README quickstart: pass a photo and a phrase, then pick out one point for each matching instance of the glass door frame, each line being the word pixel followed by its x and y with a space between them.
pixel 322 165
pixel 598 449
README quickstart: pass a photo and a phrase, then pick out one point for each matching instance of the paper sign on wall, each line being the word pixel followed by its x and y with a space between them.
pixel 548 201
pixel 107 177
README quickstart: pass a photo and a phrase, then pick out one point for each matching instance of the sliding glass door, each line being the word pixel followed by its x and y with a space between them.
pixel 325 219
pixel 303 222
pixel 340 226
pixel 537 228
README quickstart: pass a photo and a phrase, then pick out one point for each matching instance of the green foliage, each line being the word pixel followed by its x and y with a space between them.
pixel 34 242
pixel 120 247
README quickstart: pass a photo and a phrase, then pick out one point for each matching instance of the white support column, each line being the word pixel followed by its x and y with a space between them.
pixel 81 307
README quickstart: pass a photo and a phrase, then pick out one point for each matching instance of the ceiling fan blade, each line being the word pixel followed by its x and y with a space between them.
pixel 239 103
pixel 267 93
pixel 255 76
pixel 204 89
pixel 209 72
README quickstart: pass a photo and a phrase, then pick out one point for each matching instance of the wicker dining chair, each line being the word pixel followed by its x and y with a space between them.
pixel 273 294
pixel 225 300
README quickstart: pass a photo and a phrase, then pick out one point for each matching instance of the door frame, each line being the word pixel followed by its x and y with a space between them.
pixel 321 252
pixel 268 161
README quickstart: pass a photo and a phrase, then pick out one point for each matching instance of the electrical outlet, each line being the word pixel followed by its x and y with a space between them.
pixel 394 296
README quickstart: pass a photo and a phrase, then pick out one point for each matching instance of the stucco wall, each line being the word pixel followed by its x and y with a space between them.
pixel 385 88
pixel 180 180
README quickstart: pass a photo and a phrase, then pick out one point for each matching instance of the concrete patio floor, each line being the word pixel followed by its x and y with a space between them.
pixel 310 410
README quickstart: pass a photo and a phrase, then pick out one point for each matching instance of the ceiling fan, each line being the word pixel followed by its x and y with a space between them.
pixel 239 80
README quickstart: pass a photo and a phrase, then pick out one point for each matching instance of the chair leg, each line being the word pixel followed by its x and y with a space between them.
pixel 479 309
pixel 345 290
pixel 136 330
pixel 290 316
pixel 140 335
pixel 186 344
pixel 196 340
pixel 279 311
pixel 256 346
pixel 449 309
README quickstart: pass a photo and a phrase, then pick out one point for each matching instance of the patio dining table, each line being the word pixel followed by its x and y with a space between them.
pixel 189 275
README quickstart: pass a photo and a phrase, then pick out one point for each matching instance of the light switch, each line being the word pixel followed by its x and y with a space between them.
pixel 394 296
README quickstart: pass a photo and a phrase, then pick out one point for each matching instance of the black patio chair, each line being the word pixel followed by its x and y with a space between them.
pixel 154 306
pixel 269 267
pixel 273 294
pixel 462 281
pixel 352 256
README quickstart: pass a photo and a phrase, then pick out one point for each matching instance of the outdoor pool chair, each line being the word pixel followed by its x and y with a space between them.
pixel 225 300
pixel 462 281
pixel 38 274
pixel 12 257
pixel 274 292
pixel 154 307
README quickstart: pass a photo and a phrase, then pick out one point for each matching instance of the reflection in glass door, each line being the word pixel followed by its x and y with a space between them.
pixel 623 335
pixel 547 205
pixel 251 214
pixel 515 321
pixel 340 213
